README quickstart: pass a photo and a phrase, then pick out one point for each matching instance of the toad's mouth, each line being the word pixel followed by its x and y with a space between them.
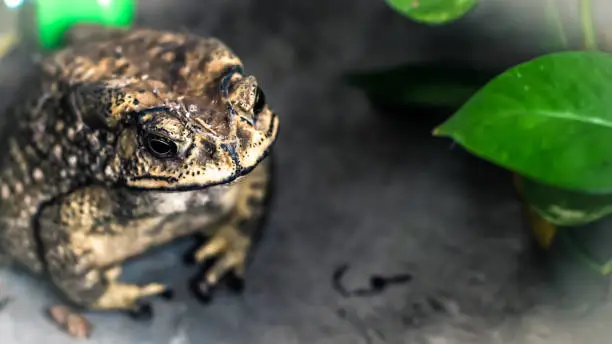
pixel 173 184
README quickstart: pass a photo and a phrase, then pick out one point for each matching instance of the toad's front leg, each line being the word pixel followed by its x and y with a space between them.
pixel 234 237
pixel 83 247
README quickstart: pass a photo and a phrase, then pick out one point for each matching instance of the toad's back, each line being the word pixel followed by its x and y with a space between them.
pixel 43 159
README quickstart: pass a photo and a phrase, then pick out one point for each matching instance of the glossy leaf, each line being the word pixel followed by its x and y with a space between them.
pixel 435 84
pixel 548 119
pixel 566 207
pixel 433 11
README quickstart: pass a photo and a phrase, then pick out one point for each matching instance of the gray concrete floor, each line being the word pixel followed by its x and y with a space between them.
pixel 355 187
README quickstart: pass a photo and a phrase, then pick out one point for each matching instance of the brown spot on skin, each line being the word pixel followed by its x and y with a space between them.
pixel 57 152
pixel 127 144
pixel 18 188
pixel 70 134
pixel 72 160
pixel 5 192
pixel 37 174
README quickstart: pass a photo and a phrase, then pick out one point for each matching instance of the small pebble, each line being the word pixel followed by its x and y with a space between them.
pixel 73 323
pixel 78 327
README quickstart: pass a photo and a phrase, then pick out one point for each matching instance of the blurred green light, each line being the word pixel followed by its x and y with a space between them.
pixel 13 3
pixel 54 17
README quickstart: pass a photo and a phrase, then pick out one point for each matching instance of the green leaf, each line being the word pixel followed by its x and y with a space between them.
pixel 566 207
pixel 548 119
pixel 437 84
pixel 433 11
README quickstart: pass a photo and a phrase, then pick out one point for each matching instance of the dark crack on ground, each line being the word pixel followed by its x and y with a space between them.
pixel 378 283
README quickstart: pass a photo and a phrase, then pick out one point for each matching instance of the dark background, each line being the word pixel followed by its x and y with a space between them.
pixel 357 186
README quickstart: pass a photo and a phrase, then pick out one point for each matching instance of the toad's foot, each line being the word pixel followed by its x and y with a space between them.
pixel 120 296
pixel 99 290
pixel 232 240
pixel 229 248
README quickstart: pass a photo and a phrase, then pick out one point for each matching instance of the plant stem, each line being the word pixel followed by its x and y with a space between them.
pixel 588 26
pixel 554 16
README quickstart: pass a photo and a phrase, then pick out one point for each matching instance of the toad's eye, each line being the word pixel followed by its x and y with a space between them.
pixel 260 101
pixel 160 146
